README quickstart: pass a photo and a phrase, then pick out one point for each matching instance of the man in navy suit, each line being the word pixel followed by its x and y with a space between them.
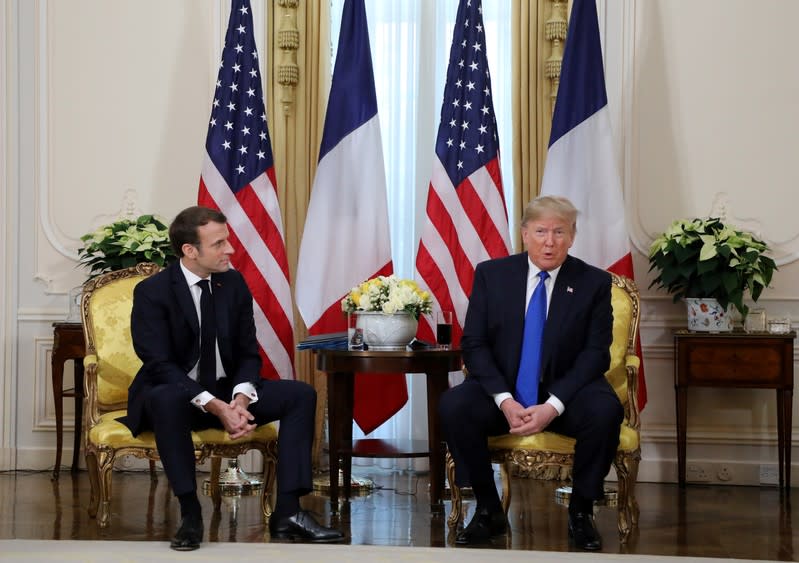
pixel 167 395
pixel 573 396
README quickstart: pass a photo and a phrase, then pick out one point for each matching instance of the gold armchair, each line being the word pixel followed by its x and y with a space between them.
pixel 549 455
pixel 110 365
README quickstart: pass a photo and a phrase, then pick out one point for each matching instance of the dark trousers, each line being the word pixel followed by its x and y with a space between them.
pixel 172 417
pixel 469 416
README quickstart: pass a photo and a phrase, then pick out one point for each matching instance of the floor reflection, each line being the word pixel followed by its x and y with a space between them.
pixel 698 521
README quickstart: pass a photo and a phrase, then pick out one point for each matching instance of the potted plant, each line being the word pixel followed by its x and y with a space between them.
pixel 387 310
pixel 125 243
pixel 706 259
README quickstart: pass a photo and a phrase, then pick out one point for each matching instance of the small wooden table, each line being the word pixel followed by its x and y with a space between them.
pixel 341 366
pixel 758 360
pixel 68 344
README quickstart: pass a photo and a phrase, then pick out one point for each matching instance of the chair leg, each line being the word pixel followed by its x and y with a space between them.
pixel 270 471
pixel 627 473
pixel 94 483
pixel 153 474
pixel 105 465
pixel 455 514
pixel 504 472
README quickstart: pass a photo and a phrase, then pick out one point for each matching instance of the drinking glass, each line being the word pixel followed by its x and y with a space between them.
pixel 444 329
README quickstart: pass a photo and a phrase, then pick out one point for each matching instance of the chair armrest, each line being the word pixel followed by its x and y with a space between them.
pixel 632 363
pixel 91 409
pixel 89 360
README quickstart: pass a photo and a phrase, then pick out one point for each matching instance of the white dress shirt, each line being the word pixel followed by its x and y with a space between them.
pixel 532 281
pixel 203 398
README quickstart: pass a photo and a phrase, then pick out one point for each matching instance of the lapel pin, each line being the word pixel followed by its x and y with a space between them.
pixel 569 289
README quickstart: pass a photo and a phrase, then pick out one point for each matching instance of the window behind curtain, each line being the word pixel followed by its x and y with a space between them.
pixel 410 42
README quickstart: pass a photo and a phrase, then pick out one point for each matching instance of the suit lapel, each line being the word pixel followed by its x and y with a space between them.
pixel 559 306
pixel 221 297
pixel 183 296
pixel 517 295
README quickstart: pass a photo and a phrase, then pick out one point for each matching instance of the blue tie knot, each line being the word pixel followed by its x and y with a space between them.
pixel 544 275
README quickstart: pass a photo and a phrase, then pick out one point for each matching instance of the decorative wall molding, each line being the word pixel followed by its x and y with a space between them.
pixel 288 41
pixel 625 25
pixel 43 410
pixel 9 189
pixel 555 33
pixel 57 239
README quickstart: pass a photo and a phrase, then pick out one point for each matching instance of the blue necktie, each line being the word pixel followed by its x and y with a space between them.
pixel 530 363
pixel 207 367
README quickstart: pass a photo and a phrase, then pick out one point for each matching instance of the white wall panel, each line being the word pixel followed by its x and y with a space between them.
pixel 122 102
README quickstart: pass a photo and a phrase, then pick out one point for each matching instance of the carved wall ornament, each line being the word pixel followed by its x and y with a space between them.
pixel 555 33
pixel 288 41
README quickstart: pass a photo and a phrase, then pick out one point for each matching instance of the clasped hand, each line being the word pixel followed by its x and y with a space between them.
pixel 235 417
pixel 525 421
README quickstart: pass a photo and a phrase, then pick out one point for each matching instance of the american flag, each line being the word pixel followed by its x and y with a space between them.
pixel 467 221
pixel 238 178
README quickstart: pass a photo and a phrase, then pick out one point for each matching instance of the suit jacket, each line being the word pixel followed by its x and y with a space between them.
pixel 166 335
pixel 577 333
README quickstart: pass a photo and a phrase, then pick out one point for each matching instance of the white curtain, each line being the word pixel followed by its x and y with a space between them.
pixel 410 42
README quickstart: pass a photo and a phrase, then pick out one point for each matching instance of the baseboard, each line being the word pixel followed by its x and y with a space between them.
pixel 713 472
pixel 8 459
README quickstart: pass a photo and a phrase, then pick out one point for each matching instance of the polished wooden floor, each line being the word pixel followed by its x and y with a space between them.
pixel 700 521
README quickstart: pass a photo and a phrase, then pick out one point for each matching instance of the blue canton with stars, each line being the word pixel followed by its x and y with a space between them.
pixel 467 135
pixel 238 138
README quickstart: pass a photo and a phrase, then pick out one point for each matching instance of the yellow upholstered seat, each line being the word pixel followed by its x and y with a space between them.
pixel 110 365
pixel 548 455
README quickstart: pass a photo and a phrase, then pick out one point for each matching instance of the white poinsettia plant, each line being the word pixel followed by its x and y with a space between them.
pixel 389 295
pixel 704 257
pixel 124 243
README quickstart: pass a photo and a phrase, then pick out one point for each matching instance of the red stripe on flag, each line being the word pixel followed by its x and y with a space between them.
pixel 439 216
pixel 624 267
pixel 480 217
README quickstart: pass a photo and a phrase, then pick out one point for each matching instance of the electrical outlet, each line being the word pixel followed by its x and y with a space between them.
pixel 769 474
pixel 724 473
pixel 697 473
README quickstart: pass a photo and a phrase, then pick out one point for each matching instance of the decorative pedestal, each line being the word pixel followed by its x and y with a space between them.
pixel 233 482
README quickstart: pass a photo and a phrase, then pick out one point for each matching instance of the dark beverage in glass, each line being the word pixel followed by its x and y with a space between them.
pixel 444 329
pixel 444 334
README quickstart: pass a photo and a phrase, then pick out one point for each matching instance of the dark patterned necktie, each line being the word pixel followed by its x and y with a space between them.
pixel 530 363
pixel 207 367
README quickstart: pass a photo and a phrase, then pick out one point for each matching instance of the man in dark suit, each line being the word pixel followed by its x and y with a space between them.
pixel 570 394
pixel 203 372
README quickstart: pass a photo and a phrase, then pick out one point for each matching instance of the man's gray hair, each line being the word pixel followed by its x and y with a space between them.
pixel 548 205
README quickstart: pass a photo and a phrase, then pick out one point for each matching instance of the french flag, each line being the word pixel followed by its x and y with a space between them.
pixel 346 237
pixel 581 163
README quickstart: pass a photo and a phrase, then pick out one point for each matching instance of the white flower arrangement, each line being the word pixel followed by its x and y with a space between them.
pixel 389 295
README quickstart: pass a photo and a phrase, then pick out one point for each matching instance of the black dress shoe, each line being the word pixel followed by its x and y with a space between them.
pixel 483 526
pixel 583 532
pixel 303 526
pixel 189 535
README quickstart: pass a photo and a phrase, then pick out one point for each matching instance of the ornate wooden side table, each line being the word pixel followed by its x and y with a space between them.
pixel 758 360
pixel 340 367
pixel 68 344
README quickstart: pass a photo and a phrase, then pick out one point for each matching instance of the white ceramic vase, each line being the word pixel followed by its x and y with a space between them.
pixel 706 315
pixel 383 331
